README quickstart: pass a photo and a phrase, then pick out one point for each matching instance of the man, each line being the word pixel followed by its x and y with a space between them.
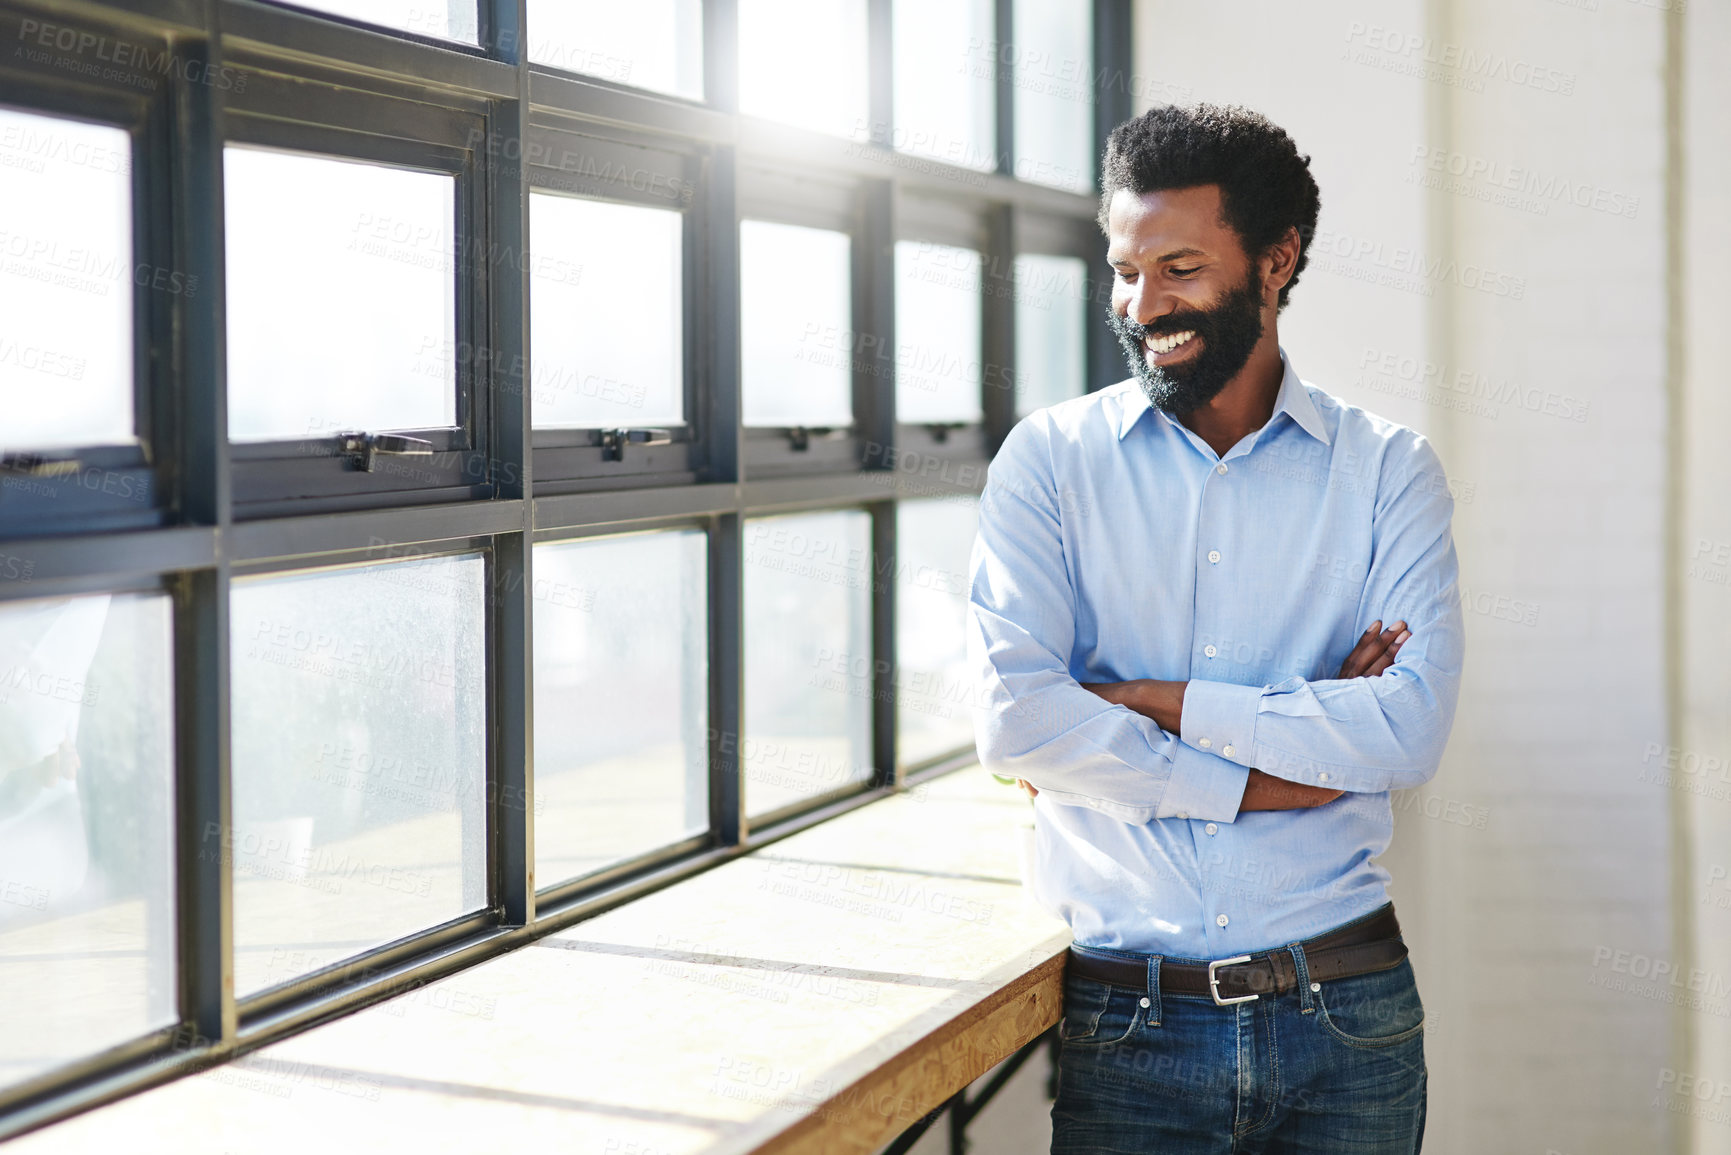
pixel 1215 619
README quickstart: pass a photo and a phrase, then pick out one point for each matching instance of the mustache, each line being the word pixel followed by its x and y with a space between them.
pixel 1191 320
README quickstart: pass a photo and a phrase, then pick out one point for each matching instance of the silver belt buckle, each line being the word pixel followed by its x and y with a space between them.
pixel 1214 982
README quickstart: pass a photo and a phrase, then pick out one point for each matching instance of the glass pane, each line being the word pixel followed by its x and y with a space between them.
pixel 341 297
pixel 606 314
pixel 621 699
pixel 937 333
pixel 796 321
pixel 359 760
pixel 934 687
pixel 945 82
pixel 1053 76
pixel 1051 316
pixel 654 44
pixel 66 280
pixel 808 657
pixel 448 19
pixel 805 64
pixel 86 810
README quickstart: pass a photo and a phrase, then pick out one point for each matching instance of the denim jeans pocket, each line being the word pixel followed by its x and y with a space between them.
pixel 1097 1014
pixel 1375 1010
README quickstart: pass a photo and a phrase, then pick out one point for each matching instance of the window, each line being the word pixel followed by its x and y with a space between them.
pixel 1051 323
pixel 938 371
pixel 444 19
pixel 946 82
pixel 362 256
pixel 621 310
pixel 66 281
pixel 86 790
pixel 1052 74
pixel 621 699
pixel 796 325
pixel 90 284
pixel 359 272
pixel 455 484
pixel 359 760
pixel 935 692
pixel 656 44
pixel 800 63
pixel 606 314
pixel 808 658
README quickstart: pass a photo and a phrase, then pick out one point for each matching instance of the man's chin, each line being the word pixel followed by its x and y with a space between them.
pixel 1172 394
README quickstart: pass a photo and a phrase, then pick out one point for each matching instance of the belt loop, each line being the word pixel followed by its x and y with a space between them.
pixel 1153 990
pixel 1306 1003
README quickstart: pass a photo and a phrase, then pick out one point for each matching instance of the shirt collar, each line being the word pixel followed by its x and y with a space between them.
pixel 1293 399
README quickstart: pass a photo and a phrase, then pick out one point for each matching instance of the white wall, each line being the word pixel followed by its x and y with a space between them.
pixel 1559 522
pixel 1702 561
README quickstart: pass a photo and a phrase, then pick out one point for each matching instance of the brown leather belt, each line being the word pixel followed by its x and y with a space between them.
pixel 1361 947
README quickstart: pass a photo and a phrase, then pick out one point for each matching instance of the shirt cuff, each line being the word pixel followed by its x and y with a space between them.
pixel 1220 718
pixel 1202 786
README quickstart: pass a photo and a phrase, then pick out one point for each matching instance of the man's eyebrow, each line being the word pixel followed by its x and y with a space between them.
pixel 1174 255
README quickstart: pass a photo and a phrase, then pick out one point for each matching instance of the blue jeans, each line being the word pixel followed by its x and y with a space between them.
pixel 1335 1071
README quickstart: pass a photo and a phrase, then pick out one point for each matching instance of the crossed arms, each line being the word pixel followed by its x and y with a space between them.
pixel 1164 703
pixel 1205 749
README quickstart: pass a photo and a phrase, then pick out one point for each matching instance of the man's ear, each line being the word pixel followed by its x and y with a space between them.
pixel 1278 262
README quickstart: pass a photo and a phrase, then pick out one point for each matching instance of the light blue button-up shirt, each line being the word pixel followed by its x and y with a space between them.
pixel 1114 544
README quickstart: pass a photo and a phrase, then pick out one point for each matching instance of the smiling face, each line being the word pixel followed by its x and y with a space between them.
pixel 1188 304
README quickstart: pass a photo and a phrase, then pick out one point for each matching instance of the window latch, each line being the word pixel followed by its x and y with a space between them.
pixel 940 431
pixel 361 448
pixel 614 441
pixel 800 438
pixel 36 465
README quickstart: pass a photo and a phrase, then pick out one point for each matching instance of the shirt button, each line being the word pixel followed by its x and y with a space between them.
pixel 1210 650
pixel 1212 829
pixel 1214 556
pixel 1183 814
pixel 1221 920
pixel 1322 777
pixel 1205 742
pixel 1221 468
pixel 1227 750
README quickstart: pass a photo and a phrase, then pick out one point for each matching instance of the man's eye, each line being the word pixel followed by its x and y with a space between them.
pixel 1125 275
pixel 1185 272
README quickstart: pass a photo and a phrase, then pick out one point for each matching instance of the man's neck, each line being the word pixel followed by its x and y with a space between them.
pixel 1247 401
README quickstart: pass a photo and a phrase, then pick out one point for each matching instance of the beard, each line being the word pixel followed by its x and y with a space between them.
pixel 1228 330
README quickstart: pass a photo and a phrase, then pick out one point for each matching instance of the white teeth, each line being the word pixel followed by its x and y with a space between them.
pixel 1167 344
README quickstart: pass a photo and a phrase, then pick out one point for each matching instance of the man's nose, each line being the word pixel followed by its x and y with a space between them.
pixel 1148 304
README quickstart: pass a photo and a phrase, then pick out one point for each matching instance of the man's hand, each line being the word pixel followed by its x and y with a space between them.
pixel 1266 792
pixel 1375 651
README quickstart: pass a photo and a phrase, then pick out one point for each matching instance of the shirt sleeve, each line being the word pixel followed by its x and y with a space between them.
pixel 1362 734
pixel 1034 720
